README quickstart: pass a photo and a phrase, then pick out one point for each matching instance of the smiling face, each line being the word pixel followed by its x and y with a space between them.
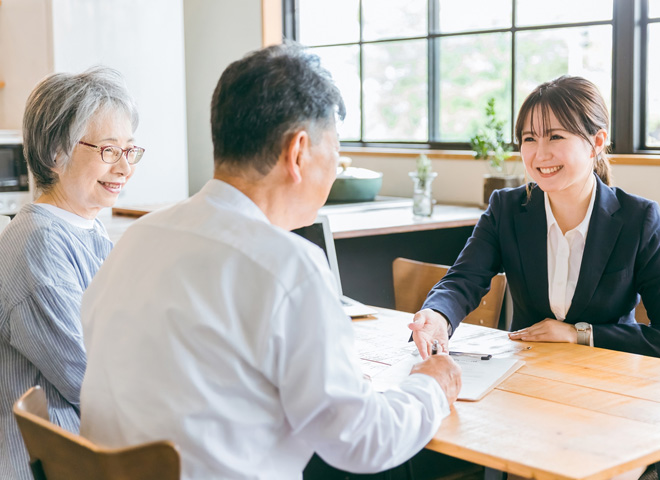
pixel 560 162
pixel 87 184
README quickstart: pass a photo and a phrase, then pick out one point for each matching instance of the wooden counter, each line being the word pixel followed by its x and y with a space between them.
pixel 368 237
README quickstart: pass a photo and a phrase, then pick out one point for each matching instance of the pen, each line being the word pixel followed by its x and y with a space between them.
pixel 482 356
pixel 434 348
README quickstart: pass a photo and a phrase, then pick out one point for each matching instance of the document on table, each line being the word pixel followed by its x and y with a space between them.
pixel 387 358
pixel 481 376
pixel 478 376
pixel 485 340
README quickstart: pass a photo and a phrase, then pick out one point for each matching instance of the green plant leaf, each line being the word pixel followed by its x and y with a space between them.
pixel 489 143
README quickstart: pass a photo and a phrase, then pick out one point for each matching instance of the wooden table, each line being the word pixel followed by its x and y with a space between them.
pixel 571 412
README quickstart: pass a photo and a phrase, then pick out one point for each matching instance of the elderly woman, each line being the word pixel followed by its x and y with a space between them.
pixel 78 141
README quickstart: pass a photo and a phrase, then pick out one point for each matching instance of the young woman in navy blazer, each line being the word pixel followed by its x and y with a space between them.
pixel 575 249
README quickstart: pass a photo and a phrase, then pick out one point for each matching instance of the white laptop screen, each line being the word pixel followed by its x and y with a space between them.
pixel 320 235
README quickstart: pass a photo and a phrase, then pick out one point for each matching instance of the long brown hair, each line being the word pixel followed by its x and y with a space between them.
pixel 578 106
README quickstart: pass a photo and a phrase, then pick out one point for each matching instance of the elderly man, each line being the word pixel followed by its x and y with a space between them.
pixel 213 326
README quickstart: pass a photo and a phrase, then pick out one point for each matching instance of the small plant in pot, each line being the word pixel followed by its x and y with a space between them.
pixel 489 144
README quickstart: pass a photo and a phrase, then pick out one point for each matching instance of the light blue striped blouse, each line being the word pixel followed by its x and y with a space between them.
pixel 45 265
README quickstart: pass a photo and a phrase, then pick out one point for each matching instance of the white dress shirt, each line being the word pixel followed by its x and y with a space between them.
pixel 565 253
pixel 210 327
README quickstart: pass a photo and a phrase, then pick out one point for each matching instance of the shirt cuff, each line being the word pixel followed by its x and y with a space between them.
pixel 422 385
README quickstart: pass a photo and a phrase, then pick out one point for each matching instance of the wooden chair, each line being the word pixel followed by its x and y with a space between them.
pixel 413 280
pixel 56 454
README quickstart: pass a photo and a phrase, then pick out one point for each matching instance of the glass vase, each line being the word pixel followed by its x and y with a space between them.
pixel 422 194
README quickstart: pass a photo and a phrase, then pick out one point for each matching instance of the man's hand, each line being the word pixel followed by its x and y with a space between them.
pixel 445 371
pixel 429 325
pixel 548 330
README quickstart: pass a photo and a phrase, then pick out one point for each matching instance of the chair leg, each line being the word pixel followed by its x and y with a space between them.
pixel 37 470
pixel 492 474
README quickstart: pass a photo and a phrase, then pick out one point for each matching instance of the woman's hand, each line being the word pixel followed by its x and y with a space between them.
pixel 548 330
pixel 429 325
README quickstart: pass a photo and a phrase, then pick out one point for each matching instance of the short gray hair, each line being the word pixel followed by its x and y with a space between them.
pixel 59 111
pixel 261 100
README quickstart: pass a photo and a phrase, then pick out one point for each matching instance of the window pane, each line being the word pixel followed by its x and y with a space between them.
pixel 394 19
pixel 546 54
pixel 535 12
pixel 654 8
pixel 455 16
pixel 323 23
pixel 473 68
pixel 395 91
pixel 344 65
pixel 653 88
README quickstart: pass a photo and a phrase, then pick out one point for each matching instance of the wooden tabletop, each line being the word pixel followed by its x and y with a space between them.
pixel 571 412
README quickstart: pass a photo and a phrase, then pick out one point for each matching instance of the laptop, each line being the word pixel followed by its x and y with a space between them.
pixel 320 235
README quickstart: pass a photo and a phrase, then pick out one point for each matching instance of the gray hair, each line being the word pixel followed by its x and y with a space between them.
pixel 262 99
pixel 59 111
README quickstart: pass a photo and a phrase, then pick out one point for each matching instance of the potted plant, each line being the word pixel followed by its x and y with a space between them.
pixel 489 144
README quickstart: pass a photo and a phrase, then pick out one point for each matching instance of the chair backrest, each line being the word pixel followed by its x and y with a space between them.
pixel 4 221
pixel 56 454
pixel 413 280
pixel 641 316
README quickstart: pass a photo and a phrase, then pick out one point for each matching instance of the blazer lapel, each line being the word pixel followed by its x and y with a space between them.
pixel 531 234
pixel 602 235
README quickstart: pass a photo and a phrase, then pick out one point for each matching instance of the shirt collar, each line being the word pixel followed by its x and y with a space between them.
pixel 222 193
pixel 583 227
pixel 69 217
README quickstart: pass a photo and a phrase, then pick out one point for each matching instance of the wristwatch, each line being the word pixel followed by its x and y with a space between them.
pixel 583 333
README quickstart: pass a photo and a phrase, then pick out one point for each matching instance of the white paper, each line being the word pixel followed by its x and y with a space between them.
pixel 481 376
pixel 387 357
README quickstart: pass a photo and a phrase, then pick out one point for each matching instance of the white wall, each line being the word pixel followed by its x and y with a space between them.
pixel 217 32
pixel 141 38
pixel 25 55
pixel 640 180
pixel 461 181
pixel 144 40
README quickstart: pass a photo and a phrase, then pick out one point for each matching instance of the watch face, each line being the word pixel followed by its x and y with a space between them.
pixel 581 326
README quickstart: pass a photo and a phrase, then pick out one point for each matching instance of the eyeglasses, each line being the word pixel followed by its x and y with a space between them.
pixel 112 153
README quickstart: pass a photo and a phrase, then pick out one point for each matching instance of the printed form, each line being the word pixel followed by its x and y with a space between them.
pixel 386 356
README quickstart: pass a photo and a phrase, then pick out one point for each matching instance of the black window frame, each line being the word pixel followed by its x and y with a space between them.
pixel 629 52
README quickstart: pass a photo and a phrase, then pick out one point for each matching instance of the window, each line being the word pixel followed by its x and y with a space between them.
pixel 652 107
pixel 419 72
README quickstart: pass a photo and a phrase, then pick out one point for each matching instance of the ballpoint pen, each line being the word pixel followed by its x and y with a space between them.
pixel 434 348
pixel 482 356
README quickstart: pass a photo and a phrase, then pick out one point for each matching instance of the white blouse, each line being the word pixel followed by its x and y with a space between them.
pixel 565 253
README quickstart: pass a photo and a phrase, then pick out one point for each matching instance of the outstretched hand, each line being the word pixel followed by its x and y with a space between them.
pixel 429 325
pixel 548 330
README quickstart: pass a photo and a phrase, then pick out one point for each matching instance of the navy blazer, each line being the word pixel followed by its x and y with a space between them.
pixel 621 261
